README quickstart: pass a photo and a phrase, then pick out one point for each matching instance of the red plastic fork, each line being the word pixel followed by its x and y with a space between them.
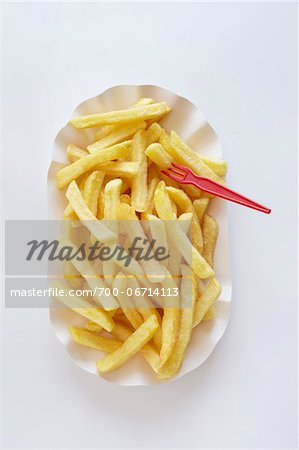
pixel 184 175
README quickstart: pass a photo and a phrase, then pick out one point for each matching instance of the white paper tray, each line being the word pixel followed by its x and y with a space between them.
pixel 189 122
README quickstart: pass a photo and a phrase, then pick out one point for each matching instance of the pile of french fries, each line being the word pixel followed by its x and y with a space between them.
pixel 118 178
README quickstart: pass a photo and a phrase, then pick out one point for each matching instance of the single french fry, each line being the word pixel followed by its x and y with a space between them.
pixel 111 205
pixel 175 361
pixel 74 153
pixel 111 202
pixel 92 189
pixel 210 234
pixel 126 169
pixel 186 205
pixel 170 325
pixel 206 300
pixel 139 181
pixel 150 198
pixel 107 129
pixel 219 166
pixel 112 199
pixel 181 199
pixel 78 168
pixel 162 203
pixel 135 114
pixel 170 322
pixel 69 213
pixel 101 205
pixel 201 206
pixel 158 234
pixel 121 134
pixel 131 346
pixel 156 153
pixel 175 256
pixel 83 307
pixel 153 133
pixel 93 340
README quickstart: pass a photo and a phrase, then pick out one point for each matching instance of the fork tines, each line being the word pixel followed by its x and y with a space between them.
pixel 176 172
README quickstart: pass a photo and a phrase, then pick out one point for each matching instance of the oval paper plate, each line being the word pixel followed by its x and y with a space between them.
pixel 189 122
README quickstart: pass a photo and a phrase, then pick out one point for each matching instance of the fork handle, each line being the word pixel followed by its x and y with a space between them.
pixel 211 187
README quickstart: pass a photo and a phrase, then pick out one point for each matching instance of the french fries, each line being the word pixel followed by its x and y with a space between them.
pixel 125 302
pixel 107 129
pixel 185 204
pixel 148 352
pixel 117 136
pixel 219 166
pixel 89 339
pixel 84 308
pixel 153 133
pixel 179 239
pixel 210 234
pixel 205 301
pixel 170 323
pixel 115 192
pixel 95 283
pixel 78 204
pixel 175 361
pixel 139 113
pixel 139 182
pixel 156 153
pixel 81 166
pixel 92 189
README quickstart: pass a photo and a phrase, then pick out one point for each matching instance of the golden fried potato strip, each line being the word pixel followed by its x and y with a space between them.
pixel 138 113
pixel 93 340
pixel 131 346
pixel 78 168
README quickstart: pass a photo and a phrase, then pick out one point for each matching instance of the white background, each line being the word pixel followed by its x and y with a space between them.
pixel 238 63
